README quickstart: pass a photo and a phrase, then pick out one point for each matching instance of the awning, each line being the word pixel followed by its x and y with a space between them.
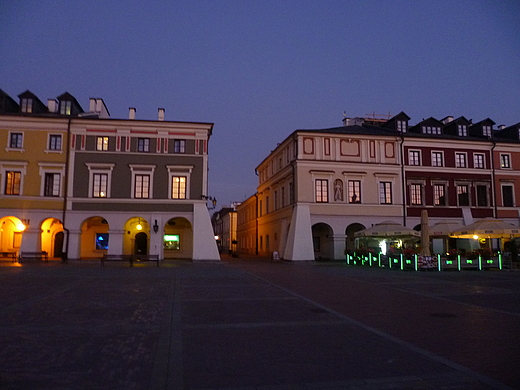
pixel 388 229
pixel 487 228
pixel 445 228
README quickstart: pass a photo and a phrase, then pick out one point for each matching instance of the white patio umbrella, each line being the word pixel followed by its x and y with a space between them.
pixel 387 229
pixel 425 234
pixel 487 228
pixel 444 228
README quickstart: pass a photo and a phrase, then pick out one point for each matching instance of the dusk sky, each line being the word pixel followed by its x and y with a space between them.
pixel 259 70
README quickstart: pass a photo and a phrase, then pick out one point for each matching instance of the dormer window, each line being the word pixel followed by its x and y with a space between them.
pixel 401 126
pixel 462 130
pixel 27 105
pixel 486 131
pixel 431 130
pixel 65 107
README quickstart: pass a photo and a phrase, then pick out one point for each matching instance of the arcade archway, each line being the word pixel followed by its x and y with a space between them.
pixel 178 239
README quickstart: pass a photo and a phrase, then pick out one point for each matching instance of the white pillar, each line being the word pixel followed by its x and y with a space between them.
pixel 115 242
pixel 299 242
pixel 339 246
pixel 204 244
pixel 74 246
pixel 31 240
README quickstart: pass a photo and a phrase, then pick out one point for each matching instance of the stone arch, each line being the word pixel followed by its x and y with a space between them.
pixel 52 237
pixel 322 240
pixel 178 239
pixel 94 238
pixel 11 232
pixel 136 237
pixel 350 242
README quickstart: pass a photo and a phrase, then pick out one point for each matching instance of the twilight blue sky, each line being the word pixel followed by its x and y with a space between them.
pixel 261 69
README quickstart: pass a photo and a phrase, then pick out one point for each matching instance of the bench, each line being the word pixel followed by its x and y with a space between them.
pixel 8 255
pixel 43 255
pixel 130 258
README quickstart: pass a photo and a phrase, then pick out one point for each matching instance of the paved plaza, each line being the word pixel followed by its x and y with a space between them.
pixel 252 324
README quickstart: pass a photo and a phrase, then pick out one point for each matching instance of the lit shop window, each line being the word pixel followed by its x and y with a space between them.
pixel 172 242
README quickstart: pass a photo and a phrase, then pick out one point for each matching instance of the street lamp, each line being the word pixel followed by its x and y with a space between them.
pixel 213 201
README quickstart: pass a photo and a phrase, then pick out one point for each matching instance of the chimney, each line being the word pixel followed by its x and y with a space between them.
pixel 92 105
pixel 131 113
pixel 52 105
pixel 447 120
pixel 501 127
pixel 160 114
pixel 346 121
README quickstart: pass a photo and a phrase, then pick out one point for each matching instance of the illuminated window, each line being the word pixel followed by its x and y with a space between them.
pixel 100 185
pixel 142 186
pixel 27 105
pixel 178 187
pixel 12 183
pixel 414 157
pixel 55 142
pixel 52 184
pixel 16 140
pixel 143 144
pixel 101 241
pixel 102 143
pixel 172 242
pixel 401 126
pixel 65 107
pixel 322 190
pixel 460 160
pixel 505 161
pixel 416 194
pixel 437 159
pixel 478 161
pixel 354 191
pixel 385 192
pixel 463 195
pixel 179 146
pixel 439 195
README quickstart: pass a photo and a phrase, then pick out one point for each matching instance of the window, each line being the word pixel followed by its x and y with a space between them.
pixel 283 197
pixel 142 186
pixel 486 131
pixel 101 241
pixel 416 194
pixel 478 161
pixel 431 130
pixel 100 185
pixel 322 190
pixel 267 205
pixel 401 126
pixel 439 195
pixel 52 184
pixel 276 200
pixel 462 195
pixel 27 105
pixel 462 130
pixel 16 140
pixel 507 196
pixel 172 242
pixel 414 157
pixel 179 146
pixel 55 142
pixel 460 160
pixel 12 183
pixel 102 143
pixel 505 161
pixel 354 191
pixel 178 187
pixel 65 107
pixel 482 199
pixel 437 159
pixel 143 144
pixel 385 192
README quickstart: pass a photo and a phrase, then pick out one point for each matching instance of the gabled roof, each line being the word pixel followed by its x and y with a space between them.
pixel 7 103
pixel 38 106
pixel 76 107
